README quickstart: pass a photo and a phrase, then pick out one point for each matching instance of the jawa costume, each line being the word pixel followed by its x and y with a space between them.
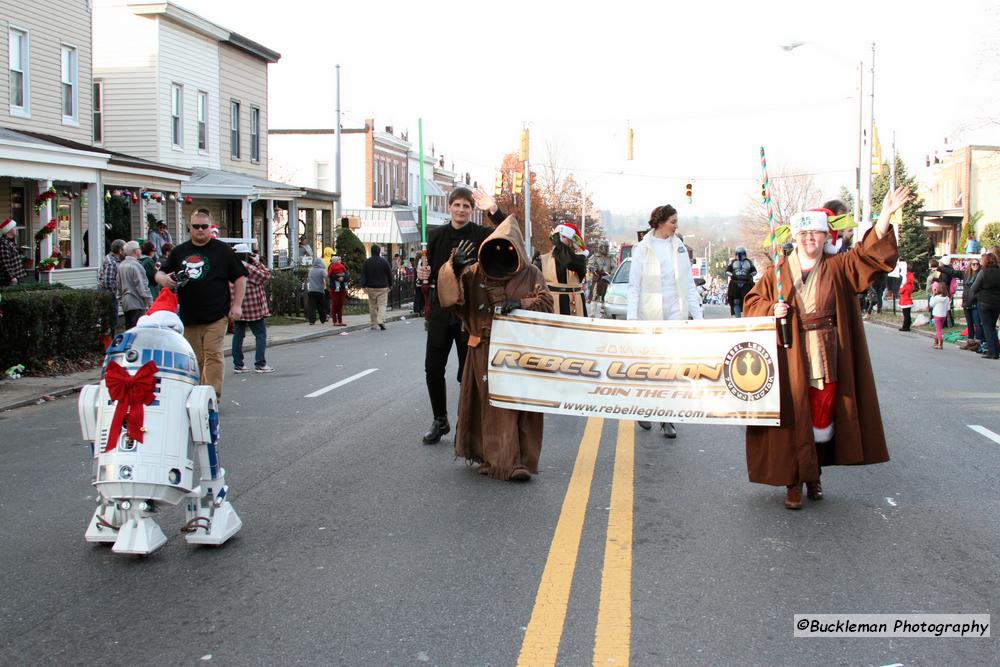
pixel 564 268
pixel 507 443
pixel 829 407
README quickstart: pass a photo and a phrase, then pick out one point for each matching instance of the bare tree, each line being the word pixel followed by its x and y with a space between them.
pixel 791 192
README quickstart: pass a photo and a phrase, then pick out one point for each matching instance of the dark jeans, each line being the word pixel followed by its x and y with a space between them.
pixel 132 316
pixel 989 316
pixel 316 301
pixel 259 330
pixel 906 318
pixel 975 325
pixel 440 336
pixel 114 314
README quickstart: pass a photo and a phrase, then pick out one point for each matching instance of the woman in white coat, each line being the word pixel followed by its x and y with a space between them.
pixel 660 286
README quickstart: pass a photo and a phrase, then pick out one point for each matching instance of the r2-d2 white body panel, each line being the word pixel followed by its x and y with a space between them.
pixel 133 477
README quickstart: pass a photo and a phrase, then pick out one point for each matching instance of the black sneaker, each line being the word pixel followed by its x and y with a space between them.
pixel 668 430
pixel 645 426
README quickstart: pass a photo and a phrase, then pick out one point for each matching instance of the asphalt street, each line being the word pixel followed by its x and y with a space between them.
pixel 361 546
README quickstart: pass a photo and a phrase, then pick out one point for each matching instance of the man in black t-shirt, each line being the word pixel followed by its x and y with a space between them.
pixel 205 307
pixel 444 328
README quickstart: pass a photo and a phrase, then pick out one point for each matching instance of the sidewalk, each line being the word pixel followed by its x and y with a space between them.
pixel 32 390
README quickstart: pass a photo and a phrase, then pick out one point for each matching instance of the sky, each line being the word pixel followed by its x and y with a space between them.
pixel 703 84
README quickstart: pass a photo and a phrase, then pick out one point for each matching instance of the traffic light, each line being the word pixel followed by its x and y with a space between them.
pixel 498 188
pixel 524 146
pixel 518 183
pixel 628 144
pixel 687 192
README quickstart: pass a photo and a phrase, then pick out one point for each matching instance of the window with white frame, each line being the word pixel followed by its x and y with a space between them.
pixel 234 130
pixel 202 120
pixel 177 115
pixel 70 93
pixel 17 42
pixel 254 134
pixel 323 175
pixel 98 106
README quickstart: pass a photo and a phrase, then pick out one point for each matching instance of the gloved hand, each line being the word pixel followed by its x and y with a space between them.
pixel 463 255
pixel 509 305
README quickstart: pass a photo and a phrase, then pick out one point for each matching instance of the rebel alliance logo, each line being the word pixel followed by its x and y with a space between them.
pixel 748 371
pixel 196 266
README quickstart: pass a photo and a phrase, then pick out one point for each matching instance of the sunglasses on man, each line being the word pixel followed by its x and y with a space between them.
pixel 198 226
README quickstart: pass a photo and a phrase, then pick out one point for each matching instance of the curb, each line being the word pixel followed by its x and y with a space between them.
pixel 228 352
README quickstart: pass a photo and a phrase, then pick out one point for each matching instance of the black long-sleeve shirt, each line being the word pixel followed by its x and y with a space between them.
pixel 443 240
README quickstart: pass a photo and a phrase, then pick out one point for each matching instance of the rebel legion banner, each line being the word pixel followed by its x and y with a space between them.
pixel 697 371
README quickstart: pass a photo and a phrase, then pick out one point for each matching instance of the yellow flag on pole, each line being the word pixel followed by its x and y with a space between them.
pixel 876 152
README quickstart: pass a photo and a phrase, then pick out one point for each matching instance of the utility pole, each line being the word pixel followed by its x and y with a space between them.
pixel 523 155
pixel 337 205
pixel 871 132
pixel 861 113
pixel 583 211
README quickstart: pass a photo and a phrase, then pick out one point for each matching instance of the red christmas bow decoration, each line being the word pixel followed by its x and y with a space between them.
pixel 132 393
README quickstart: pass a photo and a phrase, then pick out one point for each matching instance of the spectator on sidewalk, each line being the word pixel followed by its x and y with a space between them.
pixel 986 293
pixel 132 285
pixel 254 311
pixel 337 278
pixel 160 237
pixel 376 278
pixel 942 272
pixel 150 264
pixel 206 305
pixel 906 299
pixel 974 331
pixel 316 292
pixel 11 263
pixel 938 306
pixel 107 279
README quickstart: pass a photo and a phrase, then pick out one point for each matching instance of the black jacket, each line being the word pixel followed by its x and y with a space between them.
pixel 376 272
pixel 986 288
pixel 440 243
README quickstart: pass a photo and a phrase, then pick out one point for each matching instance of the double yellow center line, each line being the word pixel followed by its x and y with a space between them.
pixel 614 617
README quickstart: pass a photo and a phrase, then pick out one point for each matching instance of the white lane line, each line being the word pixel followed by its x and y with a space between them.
pixel 982 430
pixel 320 392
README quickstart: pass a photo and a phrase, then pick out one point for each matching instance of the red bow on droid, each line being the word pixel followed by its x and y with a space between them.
pixel 132 393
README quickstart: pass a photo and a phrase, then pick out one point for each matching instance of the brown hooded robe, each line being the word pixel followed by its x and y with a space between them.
pixel 504 439
pixel 787 454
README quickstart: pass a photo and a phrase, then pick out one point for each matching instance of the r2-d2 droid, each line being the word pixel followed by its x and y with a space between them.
pixel 142 422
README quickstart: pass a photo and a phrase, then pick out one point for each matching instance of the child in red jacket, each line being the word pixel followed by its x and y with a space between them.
pixel 906 299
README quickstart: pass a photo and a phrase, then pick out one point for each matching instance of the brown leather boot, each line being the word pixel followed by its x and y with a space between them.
pixel 814 490
pixel 793 497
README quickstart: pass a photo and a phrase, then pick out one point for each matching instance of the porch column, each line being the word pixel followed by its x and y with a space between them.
pixel 44 216
pixel 247 220
pixel 175 218
pixel 137 218
pixel 293 231
pixel 329 234
pixel 318 230
pixel 269 234
pixel 76 226
pixel 95 222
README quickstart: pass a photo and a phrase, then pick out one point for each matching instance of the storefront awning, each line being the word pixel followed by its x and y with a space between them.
pixel 385 225
pixel 219 184
pixel 432 189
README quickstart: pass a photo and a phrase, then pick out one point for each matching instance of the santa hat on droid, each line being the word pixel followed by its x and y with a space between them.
pixel 7 226
pixel 163 313
pixel 570 231
pixel 214 230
